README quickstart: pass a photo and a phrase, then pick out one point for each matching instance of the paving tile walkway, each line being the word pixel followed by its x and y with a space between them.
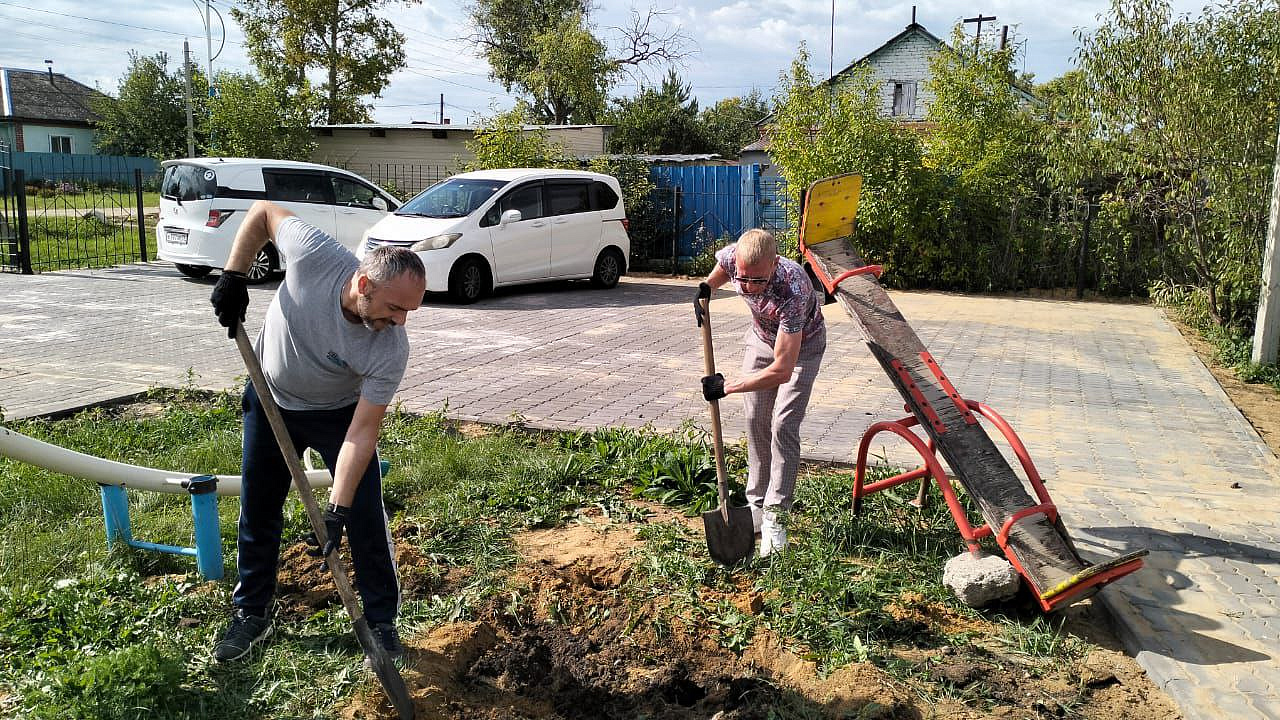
pixel 1139 444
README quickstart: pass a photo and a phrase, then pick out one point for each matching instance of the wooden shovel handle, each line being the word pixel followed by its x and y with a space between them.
pixel 291 458
pixel 709 363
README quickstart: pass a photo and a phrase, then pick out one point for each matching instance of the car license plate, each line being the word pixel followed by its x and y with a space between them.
pixel 175 238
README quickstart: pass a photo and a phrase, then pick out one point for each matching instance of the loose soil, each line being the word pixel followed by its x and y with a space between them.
pixel 1260 404
pixel 566 643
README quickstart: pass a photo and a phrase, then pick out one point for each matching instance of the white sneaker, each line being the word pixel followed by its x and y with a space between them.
pixel 773 536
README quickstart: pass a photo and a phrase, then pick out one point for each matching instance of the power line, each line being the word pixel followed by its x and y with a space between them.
pixel 108 22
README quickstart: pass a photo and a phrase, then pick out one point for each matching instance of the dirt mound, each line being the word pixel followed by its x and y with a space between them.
pixel 565 643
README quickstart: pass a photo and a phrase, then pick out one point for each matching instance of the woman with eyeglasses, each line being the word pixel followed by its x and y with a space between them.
pixel 784 350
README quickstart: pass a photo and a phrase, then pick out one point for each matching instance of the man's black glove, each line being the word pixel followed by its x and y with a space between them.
pixel 335 519
pixel 713 387
pixel 230 298
pixel 704 293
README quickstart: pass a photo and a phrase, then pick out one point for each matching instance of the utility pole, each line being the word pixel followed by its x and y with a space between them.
pixel 978 34
pixel 1266 330
pixel 186 75
pixel 831 58
pixel 208 44
pixel 441 108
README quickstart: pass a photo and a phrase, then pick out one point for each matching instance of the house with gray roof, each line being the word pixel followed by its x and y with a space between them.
pixel 47 112
pixel 900 68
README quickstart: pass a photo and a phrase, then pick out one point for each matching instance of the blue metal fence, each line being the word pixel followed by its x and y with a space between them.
pixel 712 204
pixel 85 168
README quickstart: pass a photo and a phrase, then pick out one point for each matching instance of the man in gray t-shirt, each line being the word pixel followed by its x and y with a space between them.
pixel 333 349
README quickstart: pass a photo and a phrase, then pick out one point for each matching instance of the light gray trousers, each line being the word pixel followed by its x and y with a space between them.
pixel 773 421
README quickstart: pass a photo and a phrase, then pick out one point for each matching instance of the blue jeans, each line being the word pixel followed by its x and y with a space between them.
pixel 264 484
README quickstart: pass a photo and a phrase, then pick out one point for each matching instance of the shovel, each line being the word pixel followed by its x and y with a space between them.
pixel 730 534
pixel 381 663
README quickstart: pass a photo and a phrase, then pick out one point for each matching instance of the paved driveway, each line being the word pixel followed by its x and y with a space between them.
pixel 1138 443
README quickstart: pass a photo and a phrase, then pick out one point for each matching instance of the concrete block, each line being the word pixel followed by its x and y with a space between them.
pixel 982 579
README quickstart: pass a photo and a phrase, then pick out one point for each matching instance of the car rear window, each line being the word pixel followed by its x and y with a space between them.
pixel 606 198
pixel 568 198
pixel 188 183
pixel 305 187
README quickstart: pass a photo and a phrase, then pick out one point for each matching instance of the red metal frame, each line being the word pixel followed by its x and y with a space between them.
pixel 932 468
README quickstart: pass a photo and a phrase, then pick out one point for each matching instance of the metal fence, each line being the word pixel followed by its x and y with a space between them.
pixel 696 209
pixel 66 220
pixel 402 181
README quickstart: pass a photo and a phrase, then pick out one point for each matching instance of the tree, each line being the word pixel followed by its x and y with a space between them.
pixel 355 49
pixel 658 120
pixel 732 123
pixel 504 141
pixel 148 117
pixel 819 131
pixel 548 51
pixel 1173 123
pixel 252 118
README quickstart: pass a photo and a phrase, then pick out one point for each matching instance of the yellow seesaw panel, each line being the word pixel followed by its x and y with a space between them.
pixel 832 206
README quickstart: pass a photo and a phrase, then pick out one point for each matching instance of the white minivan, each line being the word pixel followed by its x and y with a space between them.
pixel 485 229
pixel 203 202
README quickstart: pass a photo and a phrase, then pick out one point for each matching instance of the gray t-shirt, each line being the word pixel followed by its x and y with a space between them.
pixel 313 357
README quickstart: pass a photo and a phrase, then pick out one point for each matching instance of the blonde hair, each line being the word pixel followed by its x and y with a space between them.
pixel 756 246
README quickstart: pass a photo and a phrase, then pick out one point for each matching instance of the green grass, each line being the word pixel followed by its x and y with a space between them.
pixel 90 633
pixel 92 199
pixel 59 243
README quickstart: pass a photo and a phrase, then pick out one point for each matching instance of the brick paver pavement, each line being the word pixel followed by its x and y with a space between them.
pixel 1138 443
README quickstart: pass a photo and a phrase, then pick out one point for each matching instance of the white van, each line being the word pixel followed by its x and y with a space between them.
pixel 489 228
pixel 203 202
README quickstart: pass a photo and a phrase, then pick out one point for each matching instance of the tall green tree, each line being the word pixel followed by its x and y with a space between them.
pixel 148 116
pixel 733 123
pixel 658 120
pixel 252 118
pixel 354 49
pixel 1173 122
pixel 503 141
pixel 819 131
pixel 548 51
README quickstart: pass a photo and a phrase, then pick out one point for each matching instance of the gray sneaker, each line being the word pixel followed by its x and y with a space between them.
pixel 242 634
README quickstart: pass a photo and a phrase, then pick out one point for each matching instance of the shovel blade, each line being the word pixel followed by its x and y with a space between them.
pixel 385 670
pixel 729 542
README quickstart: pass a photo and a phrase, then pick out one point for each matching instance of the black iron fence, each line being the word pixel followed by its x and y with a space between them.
pixel 65 220
pixel 402 181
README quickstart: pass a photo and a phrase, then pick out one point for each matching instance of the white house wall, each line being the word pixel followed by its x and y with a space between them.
pixel 357 146
pixel 906 60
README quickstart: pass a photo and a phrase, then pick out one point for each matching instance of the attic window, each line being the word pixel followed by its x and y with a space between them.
pixel 378 132
pixel 904 98
pixel 439 134
pixel 325 132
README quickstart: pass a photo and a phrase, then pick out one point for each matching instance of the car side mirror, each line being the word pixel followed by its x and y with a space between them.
pixel 380 203
pixel 510 216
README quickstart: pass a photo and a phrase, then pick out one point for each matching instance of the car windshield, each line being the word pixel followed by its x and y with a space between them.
pixel 452 198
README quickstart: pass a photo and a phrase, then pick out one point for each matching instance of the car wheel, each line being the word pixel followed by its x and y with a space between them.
pixel 469 281
pixel 193 271
pixel 263 265
pixel 609 269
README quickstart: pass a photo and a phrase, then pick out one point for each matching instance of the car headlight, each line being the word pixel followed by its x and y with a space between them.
pixel 436 242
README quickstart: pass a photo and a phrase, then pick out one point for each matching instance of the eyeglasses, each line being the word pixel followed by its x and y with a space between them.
pixel 752 280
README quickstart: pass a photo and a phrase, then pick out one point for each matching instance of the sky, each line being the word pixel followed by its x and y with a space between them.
pixel 733 46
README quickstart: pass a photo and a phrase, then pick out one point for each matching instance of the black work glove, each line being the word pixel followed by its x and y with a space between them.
pixel 335 519
pixel 230 298
pixel 704 293
pixel 713 387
